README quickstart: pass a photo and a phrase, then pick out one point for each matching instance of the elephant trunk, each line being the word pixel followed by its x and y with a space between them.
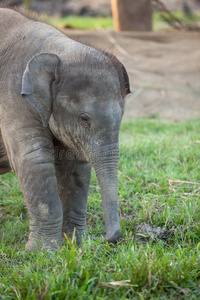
pixel 106 165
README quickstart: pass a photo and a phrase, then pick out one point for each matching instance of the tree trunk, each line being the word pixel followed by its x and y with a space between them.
pixel 58 5
pixel 132 15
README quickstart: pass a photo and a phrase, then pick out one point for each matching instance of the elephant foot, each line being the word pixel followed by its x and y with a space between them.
pixel 36 243
pixel 75 234
pixel 114 237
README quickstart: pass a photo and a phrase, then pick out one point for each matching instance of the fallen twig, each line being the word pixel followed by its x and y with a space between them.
pixel 114 42
pixel 5 183
pixel 117 45
pixel 118 283
pixel 131 180
pixel 172 188
pixel 135 95
pixel 181 181
pixel 172 20
pixel 125 240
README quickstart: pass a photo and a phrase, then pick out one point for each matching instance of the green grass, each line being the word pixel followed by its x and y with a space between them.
pixel 87 22
pixel 92 23
pixel 151 153
pixel 81 22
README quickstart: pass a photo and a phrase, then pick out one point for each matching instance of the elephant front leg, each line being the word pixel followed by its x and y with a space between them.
pixel 73 182
pixel 44 207
pixel 33 161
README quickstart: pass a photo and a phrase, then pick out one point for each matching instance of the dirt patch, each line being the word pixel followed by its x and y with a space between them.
pixel 148 232
pixel 164 70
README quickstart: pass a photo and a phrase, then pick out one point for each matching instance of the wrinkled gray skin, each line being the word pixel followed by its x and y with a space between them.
pixel 61 104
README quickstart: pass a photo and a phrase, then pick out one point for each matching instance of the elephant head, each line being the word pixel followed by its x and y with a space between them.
pixel 81 99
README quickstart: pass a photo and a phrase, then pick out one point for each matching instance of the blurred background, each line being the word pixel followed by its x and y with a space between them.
pixel 158 41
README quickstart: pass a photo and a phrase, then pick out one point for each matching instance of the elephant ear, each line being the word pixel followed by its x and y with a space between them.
pixel 40 73
pixel 122 74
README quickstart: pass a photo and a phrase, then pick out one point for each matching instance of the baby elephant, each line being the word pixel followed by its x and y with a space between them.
pixel 61 105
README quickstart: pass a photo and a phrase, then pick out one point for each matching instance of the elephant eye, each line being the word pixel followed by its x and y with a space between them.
pixel 84 120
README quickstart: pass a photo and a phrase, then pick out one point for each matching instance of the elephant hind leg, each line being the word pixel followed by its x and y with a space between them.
pixel 4 162
pixel 4 165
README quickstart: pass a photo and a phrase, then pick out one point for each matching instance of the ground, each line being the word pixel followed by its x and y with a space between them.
pixel 158 255
pixel 163 66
